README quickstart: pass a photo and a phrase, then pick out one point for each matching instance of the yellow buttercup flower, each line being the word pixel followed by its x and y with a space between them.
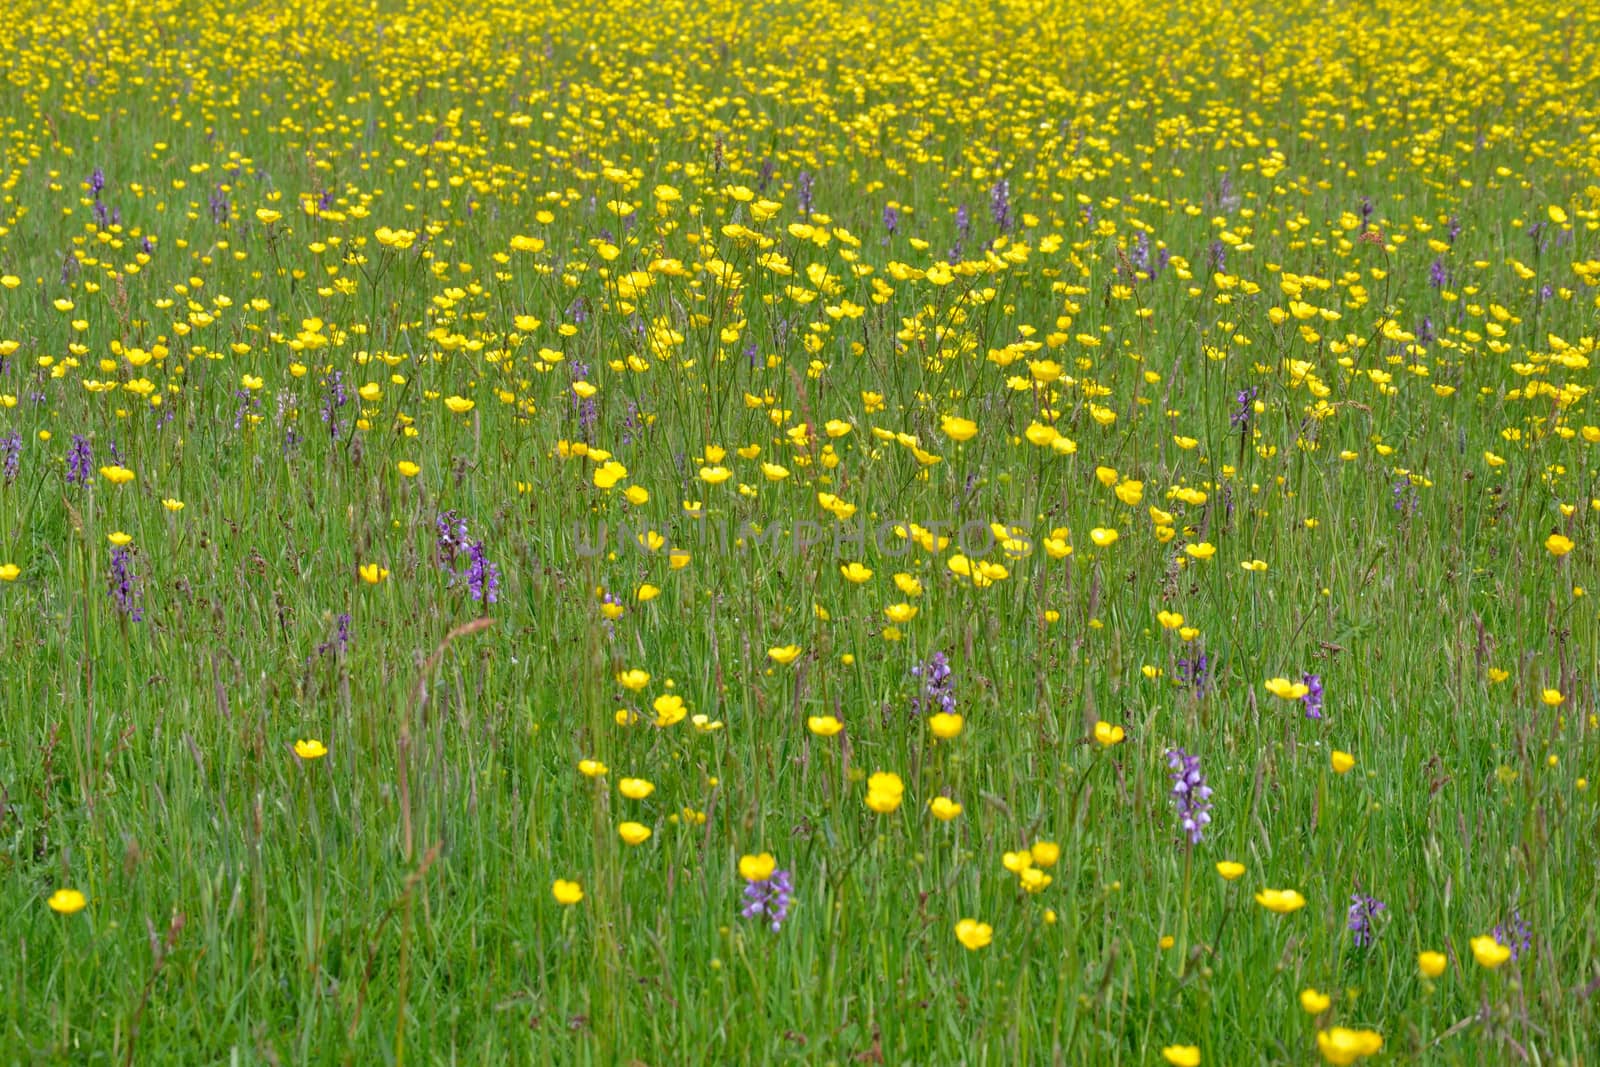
pixel 783 655
pixel 310 749
pixel 1284 689
pixel 116 474
pixel 608 474
pixel 408 469
pixel 372 574
pixel 757 868
pixel 973 934
pixel 1281 901
pixel 884 792
pixel 1488 952
pixel 944 809
pixel 900 614
pixel 635 788
pixel 1432 964
pixel 1182 1055
pixel 824 725
pixel 9 572
pixel 669 708
pixel 1342 761
pixel 459 404
pixel 944 725
pixel 1312 1002
pixel 633 833
pixel 1102 536
pixel 1558 545
pixel 855 572
pixel 566 893
pixel 1342 1046
pixel 1230 870
pixel 958 429
pixel 1107 735
pixel 67 901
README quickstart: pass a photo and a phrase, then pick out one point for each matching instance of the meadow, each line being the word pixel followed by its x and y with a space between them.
pixel 884 532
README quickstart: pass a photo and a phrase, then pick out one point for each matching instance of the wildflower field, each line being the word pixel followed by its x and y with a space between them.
pixel 830 533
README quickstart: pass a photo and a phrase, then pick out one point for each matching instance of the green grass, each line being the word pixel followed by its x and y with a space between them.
pixel 392 900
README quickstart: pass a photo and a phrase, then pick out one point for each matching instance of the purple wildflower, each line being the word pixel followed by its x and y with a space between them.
pixel 80 461
pixel 1240 420
pixel 1195 674
pixel 452 538
pixel 1405 495
pixel 126 587
pixel 10 455
pixel 1000 204
pixel 341 638
pixel 937 685
pixel 1190 794
pixel 1227 199
pixel 588 410
pixel 802 191
pixel 334 397
pixel 483 577
pixel 891 219
pixel 1364 911
pixel 1425 332
pixel 247 406
pixel 1437 275
pixel 1139 255
pixel 963 231
pixel 1515 934
pixel 769 899
pixel 1313 698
